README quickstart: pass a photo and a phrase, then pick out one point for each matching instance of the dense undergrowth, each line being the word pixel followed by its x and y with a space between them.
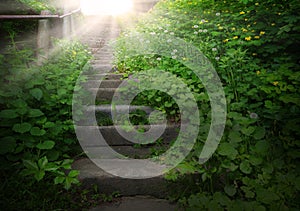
pixel 38 142
pixel 254 47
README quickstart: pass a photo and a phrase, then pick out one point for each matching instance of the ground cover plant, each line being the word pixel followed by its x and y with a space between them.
pixel 254 47
pixel 38 143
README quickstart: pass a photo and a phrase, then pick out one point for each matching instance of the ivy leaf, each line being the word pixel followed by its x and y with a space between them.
pixel 35 113
pixel 22 128
pixel 245 167
pixel 248 131
pixel 36 93
pixel 8 114
pixel 266 196
pixel 228 150
pixel 46 145
pixel 230 190
pixel 35 131
pixel 261 147
pixel 234 137
pixel 7 144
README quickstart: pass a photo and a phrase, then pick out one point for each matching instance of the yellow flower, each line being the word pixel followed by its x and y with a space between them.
pixel 74 53
pixel 257 72
pixel 275 83
pixel 244 30
pixel 233 28
pixel 254 54
pixel 257 37
pixel 226 40
pixel 220 27
pixel 248 38
pixel 279 13
pixel 256 4
pixel 235 37
pixel 246 19
pixel 273 24
pixel 262 33
pixel 254 23
pixel 242 13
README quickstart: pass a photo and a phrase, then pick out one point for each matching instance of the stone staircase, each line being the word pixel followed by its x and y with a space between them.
pixel 102 82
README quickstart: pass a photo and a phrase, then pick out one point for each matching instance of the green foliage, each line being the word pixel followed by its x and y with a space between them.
pixel 39 5
pixel 253 46
pixel 37 137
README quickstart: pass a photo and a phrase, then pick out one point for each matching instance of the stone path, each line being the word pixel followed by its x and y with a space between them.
pixel 137 194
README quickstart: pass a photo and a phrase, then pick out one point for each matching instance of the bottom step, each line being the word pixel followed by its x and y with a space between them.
pixel 91 175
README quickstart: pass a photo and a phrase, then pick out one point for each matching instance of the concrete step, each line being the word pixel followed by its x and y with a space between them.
pixel 88 135
pixel 144 203
pixel 103 93
pixel 91 174
pixel 102 83
pixel 121 108
pixel 108 76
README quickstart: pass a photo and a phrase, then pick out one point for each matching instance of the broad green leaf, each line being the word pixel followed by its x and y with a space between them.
pixel 36 93
pixel 59 180
pixel 43 162
pixel 255 160
pixel 22 111
pixel 245 167
pixel 228 150
pixel 39 175
pixel 230 190
pixel 7 144
pixel 8 114
pixel 30 165
pixel 35 131
pixel 259 133
pixel 35 113
pixel 261 147
pixel 266 196
pixel 234 136
pixel 248 131
pixel 73 173
pixel 46 145
pixel 22 128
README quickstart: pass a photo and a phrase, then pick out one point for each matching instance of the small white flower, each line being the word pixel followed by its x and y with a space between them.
pixel 160 28
pixel 218 14
pixel 169 40
pixel 217 58
pixel 148 41
pixel 214 49
pixel 202 21
pixel 253 115
pixel 175 50
pixel 205 30
pixel 200 31
pixel 195 26
pixel 174 57
pixel 152 33
pixel 158 59
pixel 166 31
pixel 172 33
pixel 195 32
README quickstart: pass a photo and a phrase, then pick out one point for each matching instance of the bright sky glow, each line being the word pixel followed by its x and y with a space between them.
pixel 106 7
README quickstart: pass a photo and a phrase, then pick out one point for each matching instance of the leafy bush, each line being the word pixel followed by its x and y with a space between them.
pixel 253 46
pixel 37 136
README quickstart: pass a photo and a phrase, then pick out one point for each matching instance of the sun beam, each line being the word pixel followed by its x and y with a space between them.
pixel 106 7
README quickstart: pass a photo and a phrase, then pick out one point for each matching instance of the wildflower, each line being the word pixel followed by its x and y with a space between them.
pixel 254 54
pixel 235 37
pixel 217 58
pixel 195 32
pixel 254 23
pixel 152 33
pixel 195 26
pixel 242 12
pixel 174 57
pixel 158 59
pixel 244 30
pixel 256 4
pixel 279 13
pixel 256 37
pixel 205 30
pixel 169 40
pixel 175 50
pixel 220 27
pixel 273 24
pixel 226 40
pixel 166 31
pixel 74 53
pixel 172 33
pixel 262 33
pixel 200 30
pixel 248 38
pixel 202 21
pixel 253 115
pixel 257 72
pixel 246 19
pixel 214 49
pixel 148 41
pixel 233 28
pixel 275 83
pixel 218 14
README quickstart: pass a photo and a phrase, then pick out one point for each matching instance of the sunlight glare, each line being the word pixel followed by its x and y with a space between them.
pixel 106 7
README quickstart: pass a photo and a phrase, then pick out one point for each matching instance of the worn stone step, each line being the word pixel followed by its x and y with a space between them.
pixel 89 135
pixel 91 174
pixel 102 84
pixel 121 108
pixel 103 93
pixel 108 76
